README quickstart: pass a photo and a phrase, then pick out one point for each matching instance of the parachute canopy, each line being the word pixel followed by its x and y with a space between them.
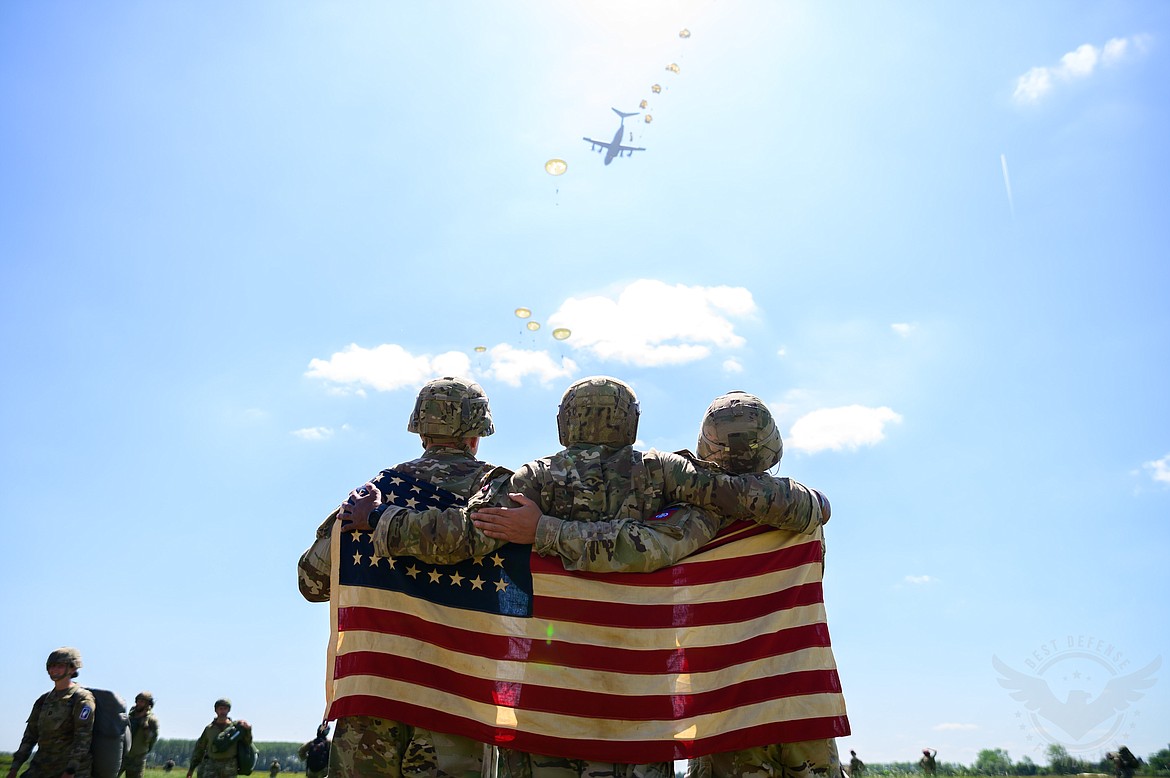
pixel 533 325
pixel 684 33
pixel 555 167
pixel 523 313
pixel 643 105
pixel 649 118
pixel 480 349
pixel 561 333
pixel 672 67
pixel 656 89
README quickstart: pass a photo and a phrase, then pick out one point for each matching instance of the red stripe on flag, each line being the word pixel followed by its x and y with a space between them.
pixel 697 572
pixel 627 751
pixel 566 700
pixel 699 659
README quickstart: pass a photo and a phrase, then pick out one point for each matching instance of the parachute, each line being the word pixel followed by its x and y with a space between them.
pixel 684 33
pixel 555 167
pixel 561 333
pixel 672 67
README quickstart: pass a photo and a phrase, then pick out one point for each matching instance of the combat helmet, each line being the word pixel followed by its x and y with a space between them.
pixel 598 411
pixel 453 408
pixel 65 656
pixel 739 434
pixel 224 701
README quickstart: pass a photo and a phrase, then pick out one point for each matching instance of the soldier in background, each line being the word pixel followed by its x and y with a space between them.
pixel 856 766
pixel 274 768
pixel 216 756
pixel 169 765
pixel 599 489
pixel 315 753
pixel 927 761
pixel 60 725
pixel 450 416
pixel 143 734
pixel 1124 762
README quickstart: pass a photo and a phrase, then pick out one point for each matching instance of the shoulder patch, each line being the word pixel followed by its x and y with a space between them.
pixel 86 710
pixel 666 514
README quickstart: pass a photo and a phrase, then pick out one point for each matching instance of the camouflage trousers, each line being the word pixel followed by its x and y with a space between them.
pixel 219 768
pixel 134 767
pixel 515 764
pixel 806 759
pixel 366 747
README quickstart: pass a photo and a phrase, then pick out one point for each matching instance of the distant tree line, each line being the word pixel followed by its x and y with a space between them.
pixel 996 761
pixel 180 751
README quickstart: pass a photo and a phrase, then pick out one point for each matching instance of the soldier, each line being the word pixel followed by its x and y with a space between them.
pixel 600 488
pixel 927 761
pixel 856 766
pixel 450 416
pixel 143 733
pixel 315 753
pixel 274 768
pixel 216 756
pixel 60 725
pixel 1124 762
pixel 168 765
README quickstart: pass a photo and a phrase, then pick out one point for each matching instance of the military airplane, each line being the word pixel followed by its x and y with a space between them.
pixel 615 148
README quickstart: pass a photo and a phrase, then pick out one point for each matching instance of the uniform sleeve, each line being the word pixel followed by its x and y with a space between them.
pixel 626 545
pixel 200 750
pixel 303 751
pixel 152 732
pixel 440 537
pixel 764 499
pixel 83 710
pixel 31 735
pixel 313 566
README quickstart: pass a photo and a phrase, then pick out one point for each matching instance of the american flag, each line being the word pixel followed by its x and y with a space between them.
pixel 726 650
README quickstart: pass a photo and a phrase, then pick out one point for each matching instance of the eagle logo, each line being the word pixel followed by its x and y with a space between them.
pixel 1081 711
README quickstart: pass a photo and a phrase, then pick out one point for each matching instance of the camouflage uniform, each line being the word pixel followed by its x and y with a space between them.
pixel 739 434
pixel 808 759
pixel 211 763
pixel 61 728
pixel 144 733
pixel 856 766
pixel 595 498
pixel 598 497
pixel 274 768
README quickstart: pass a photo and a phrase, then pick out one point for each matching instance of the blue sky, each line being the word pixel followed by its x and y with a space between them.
pixel 235 238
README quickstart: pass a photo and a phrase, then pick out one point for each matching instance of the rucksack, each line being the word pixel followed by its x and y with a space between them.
pixel 111 734
pixel 246 753
pixel 318 757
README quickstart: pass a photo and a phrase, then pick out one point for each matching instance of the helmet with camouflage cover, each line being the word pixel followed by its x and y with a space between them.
pixel 739 434
pixel 65 656
pixel 453 408
pixel 224 702
pixel 598 411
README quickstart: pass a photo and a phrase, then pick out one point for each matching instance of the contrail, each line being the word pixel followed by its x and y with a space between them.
pixel 1007 183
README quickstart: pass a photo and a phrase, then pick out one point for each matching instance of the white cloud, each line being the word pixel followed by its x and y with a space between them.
pixel 950 726
pixel 385 368
pixel 849 427
pixel 313 433
pixel 510 365
pixel 732 365
pixel 1159 469
pixel 782 352
pixel 918 580
pixel 903 329
pixel 1076 64
pixel 651 323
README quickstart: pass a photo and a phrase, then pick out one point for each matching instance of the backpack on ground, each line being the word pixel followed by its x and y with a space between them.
pixel 318 757
pixel 111 734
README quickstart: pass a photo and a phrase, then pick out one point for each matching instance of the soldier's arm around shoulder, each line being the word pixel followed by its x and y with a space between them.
pixel 627 545
pixel 438 536
pixel 759 497
pixel 313 566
